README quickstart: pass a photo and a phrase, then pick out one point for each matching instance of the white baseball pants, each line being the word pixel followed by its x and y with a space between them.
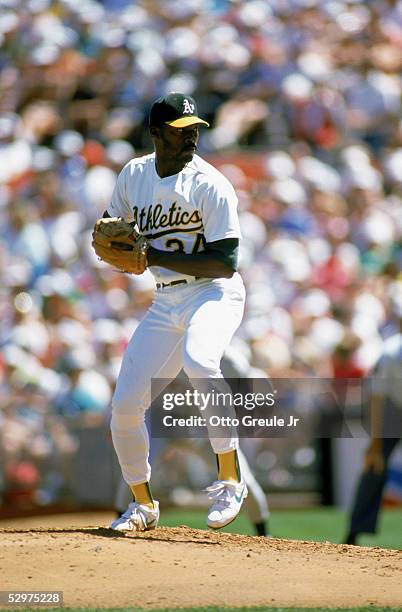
pixel 188 326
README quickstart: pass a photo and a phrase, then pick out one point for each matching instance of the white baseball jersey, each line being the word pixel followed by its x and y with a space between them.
pixel 179 212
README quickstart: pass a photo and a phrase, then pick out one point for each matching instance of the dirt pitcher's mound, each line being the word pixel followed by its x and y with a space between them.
pixel 96 567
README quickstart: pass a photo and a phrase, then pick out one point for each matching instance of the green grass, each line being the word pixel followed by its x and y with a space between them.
pixel 318 524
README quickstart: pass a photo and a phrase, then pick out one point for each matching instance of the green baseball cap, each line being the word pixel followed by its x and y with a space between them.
pixel 175 109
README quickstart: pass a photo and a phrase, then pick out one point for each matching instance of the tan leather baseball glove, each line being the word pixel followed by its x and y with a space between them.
pixel 119 244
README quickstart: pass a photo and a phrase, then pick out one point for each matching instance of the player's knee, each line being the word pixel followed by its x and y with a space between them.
pixel 199 368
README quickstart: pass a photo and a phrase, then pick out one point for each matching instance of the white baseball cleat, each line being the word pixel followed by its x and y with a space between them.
pixel 137 517
pixel 228 497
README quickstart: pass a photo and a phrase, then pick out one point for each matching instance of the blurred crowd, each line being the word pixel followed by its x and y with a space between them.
pixel 304 99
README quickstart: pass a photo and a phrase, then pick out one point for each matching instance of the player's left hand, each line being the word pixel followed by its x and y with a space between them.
pixel 119 244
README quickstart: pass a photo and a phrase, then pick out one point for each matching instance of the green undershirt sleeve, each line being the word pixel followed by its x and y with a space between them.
pixel 227 249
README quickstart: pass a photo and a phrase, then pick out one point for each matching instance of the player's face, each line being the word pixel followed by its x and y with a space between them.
pixel 179 143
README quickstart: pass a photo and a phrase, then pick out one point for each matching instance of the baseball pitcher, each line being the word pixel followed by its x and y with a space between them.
pixel 173 212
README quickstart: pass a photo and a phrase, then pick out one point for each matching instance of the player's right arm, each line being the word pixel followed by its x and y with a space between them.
pixel 219 260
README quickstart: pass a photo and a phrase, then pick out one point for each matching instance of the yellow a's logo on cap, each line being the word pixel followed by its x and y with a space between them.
pixel 188 107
